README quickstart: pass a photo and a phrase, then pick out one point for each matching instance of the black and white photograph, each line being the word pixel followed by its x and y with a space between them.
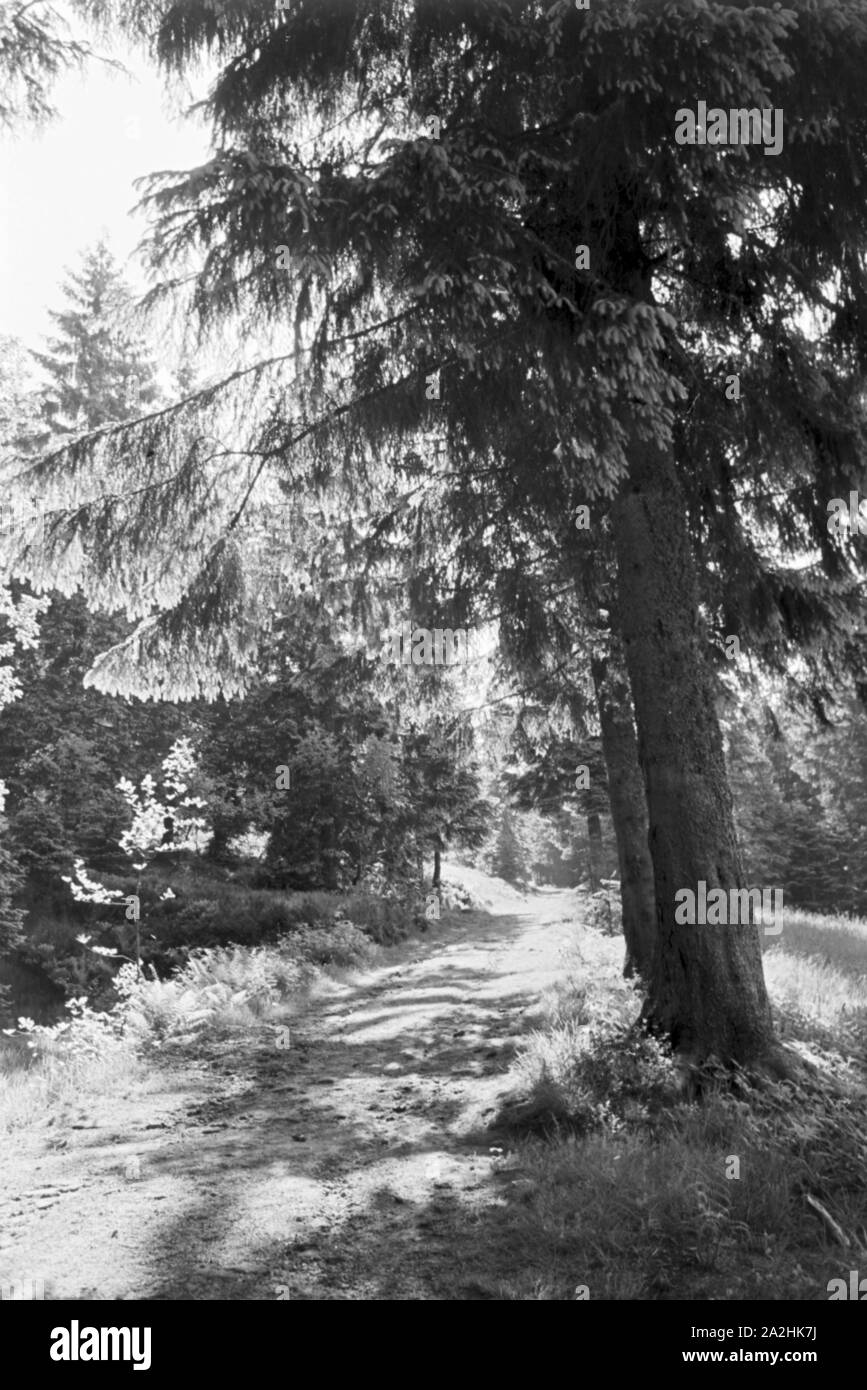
pixel 433 668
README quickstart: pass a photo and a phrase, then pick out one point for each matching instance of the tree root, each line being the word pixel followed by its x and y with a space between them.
pixel 778 1065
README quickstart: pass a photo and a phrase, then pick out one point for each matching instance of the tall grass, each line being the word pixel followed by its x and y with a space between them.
pixel 633 1190
pixel 40 1084
pixel 816 972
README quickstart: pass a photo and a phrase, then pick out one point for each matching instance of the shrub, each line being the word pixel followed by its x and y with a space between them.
pixel 606 912
pixel 604 1077
pixel 217 991
pixel 458 897
pixel 85 1034
pixel 385 920
pixel 341 943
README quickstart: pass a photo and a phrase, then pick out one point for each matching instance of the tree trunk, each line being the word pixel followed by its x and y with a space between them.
pixel 626 795
pixel 707 990
pixel 221 833
pixel 435 882
pixel 594 856
pixel 329 858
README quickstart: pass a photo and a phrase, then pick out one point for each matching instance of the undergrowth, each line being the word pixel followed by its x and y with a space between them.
pixel 216 993
pixel 639 1193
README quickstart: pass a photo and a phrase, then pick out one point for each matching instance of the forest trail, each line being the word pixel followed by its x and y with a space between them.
pixel 356 1163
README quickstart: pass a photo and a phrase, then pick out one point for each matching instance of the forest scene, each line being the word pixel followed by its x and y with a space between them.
pixel 433 651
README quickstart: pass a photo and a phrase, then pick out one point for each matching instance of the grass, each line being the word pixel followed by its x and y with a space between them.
pixel 217 993
pixel 227 958
pixel 638 1194
pixel 816 972
pixel 38 1084
pixel 623 1186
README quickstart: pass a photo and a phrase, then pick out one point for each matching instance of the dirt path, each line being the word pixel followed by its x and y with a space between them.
pixel 356 1163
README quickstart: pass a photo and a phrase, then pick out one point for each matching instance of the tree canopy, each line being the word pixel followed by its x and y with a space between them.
pixel 479 245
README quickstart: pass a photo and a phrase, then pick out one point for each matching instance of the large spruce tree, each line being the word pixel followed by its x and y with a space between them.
pixel 478 222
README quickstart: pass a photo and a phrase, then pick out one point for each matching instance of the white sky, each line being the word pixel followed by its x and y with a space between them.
pixel 63 187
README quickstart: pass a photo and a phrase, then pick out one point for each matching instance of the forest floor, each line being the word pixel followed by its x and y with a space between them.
pixel 357 1162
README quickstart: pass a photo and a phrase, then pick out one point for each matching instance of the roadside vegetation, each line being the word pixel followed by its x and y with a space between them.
pixel 632 1180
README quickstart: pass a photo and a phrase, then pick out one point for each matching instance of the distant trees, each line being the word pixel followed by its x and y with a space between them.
pixel 19 624
pixel 64 747
pixel 99 369
pixel 441 790
pixel 365 784
pixel 800 801
pixel 508 860
pixel 19 407
pixel 11 878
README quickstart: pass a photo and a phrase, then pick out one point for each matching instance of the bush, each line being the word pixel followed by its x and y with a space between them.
pixel 605 1077
pixel 606 911
pixel 209 909
pixel 341 943
pixel 217 990
pixel 457 897
pixel 238 915
pixel 385 920
pixel 71 966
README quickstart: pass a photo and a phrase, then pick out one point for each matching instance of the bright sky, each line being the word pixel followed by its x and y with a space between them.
pixel 63 187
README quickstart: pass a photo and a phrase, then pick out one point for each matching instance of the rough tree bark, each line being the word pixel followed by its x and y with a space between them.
pixel 594 851
pixel 626 795
pixel 707 989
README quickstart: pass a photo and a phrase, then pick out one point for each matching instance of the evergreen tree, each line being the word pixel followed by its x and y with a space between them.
pixel 98 367
pixel 508 860
pixel 569 293
pixel 442 795
pixel 33 52
pixel 11 878
pixel 18 388
pixel 64 747
pixel 842 758
pixel 19 619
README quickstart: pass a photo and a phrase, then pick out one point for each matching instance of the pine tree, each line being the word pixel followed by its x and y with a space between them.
pixel 18 389
pixel 842 758
pixel 489 144
pixel 11 879
pixel 442 794
pixel 33 52
pixel 508 860
pixel 64 747
pixel 98 366
pixel 19 619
